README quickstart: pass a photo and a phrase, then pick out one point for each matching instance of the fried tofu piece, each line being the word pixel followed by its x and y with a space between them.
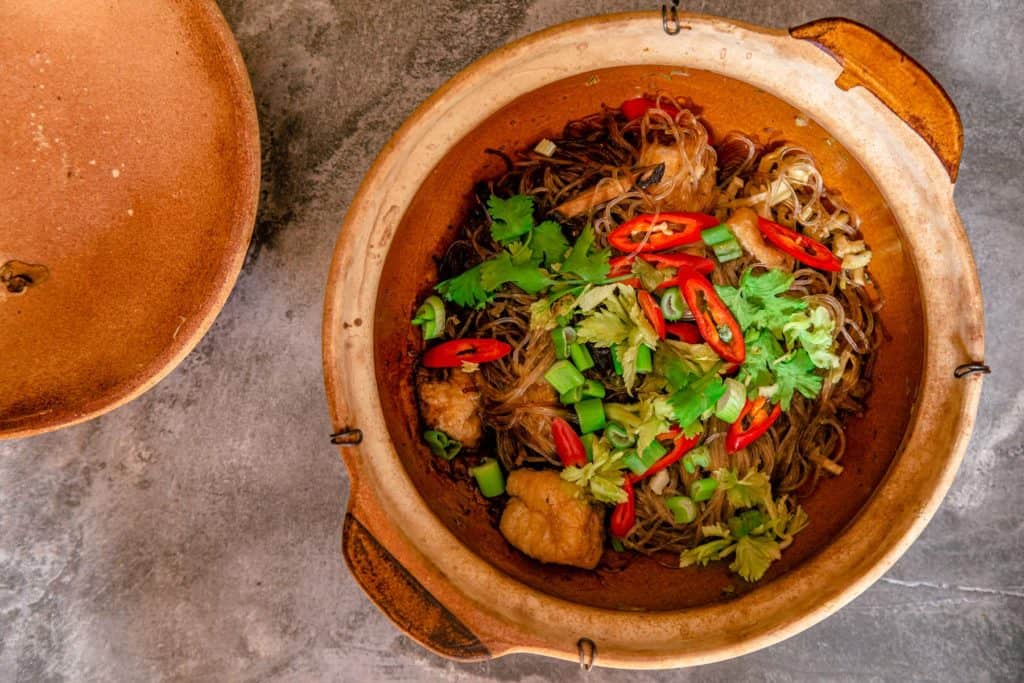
pixel 546 520
pixel 452 406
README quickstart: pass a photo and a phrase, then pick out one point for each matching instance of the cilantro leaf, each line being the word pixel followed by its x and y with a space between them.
pixel 691 402
pixel 762 351
pixel 550 242
pixel 680 363
pixel 754 554
pixel 767 284
pixel 743 310
pixel 510 218
pixel 589 266
pixel 465 290
pixel 602 478
pixel 753 489
pixel 795 373
pixel 517 267
pixel 758 301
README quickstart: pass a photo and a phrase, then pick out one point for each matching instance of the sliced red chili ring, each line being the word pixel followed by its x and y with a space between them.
pixel 636 107
pixel 688 228
pixel 452 354
pixel 753 422
pixel 686 332
pixel 801 247
pixel 715 321
pixel 624 514
pixel 568 444
pixel 652 311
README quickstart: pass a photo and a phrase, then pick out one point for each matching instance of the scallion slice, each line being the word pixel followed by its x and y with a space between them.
pixel 581 357
pixel 702 489
pixel 562 338
pixel 574 395
pixel 673 307
pixel 682 508
pixel 698 457
pixel 731 404
pixel 590 412
pixel 430 317
pixel 564 376
pixel 442 445
pixel 489 478
pixel 644 360
pixel 618 436
pixel 616 363
pixel 717 235
pixel 593 389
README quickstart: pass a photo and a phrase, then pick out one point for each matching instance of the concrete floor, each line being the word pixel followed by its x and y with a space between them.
pixel 194 534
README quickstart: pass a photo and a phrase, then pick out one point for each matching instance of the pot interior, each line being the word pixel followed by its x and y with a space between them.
pixel 626 580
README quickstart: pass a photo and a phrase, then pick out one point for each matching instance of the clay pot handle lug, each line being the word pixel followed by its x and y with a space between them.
pixel 904 86
pixel 405 601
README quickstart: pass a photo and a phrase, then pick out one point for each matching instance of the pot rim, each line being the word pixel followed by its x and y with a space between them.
pixel 526 620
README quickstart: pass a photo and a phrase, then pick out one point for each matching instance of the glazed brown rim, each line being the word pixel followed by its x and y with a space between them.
pixel 231 265
pixel 506 616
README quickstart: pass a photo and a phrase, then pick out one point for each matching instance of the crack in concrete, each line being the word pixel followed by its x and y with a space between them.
pixel 1005 592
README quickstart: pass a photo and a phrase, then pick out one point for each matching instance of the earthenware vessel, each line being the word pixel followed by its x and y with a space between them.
pixel 884 134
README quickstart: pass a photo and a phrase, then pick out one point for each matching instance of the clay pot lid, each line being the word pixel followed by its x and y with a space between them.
pixel 130 166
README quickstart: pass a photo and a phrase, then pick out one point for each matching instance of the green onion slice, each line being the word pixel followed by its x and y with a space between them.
pixel 489 478
pixel 673 307
pixel 717 235
pixel 731 404
pixel 682 508
pixel 581 357
pixel 442 445
pixel 563 338
pixel 564 376
pixel 698 457
pixel 593 389
pixel 618 436
pixel 430 317
pixel 702 489
pixel 590 412
pixel 644 360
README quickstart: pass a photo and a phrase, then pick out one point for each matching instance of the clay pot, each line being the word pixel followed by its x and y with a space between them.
pixel 130 158
pixel 884 134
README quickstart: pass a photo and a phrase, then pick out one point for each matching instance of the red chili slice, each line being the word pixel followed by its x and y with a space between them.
pixel 653 312
pixel 686 332
pixel 698 263
pixel 801 247
pixel 713 318
pixel 754 421
pixel 636 107
pixel 624 514
pixel 686 230
pixel 623 265
pixel 568 445
pixel 452 354
pixel 683 446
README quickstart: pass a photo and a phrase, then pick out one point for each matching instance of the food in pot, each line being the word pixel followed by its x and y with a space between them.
pixel 641 332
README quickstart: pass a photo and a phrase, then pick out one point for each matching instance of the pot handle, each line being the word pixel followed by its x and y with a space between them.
pixel 904 86
pixel 404 599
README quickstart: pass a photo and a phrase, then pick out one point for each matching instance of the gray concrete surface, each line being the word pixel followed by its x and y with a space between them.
pixel 194 534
